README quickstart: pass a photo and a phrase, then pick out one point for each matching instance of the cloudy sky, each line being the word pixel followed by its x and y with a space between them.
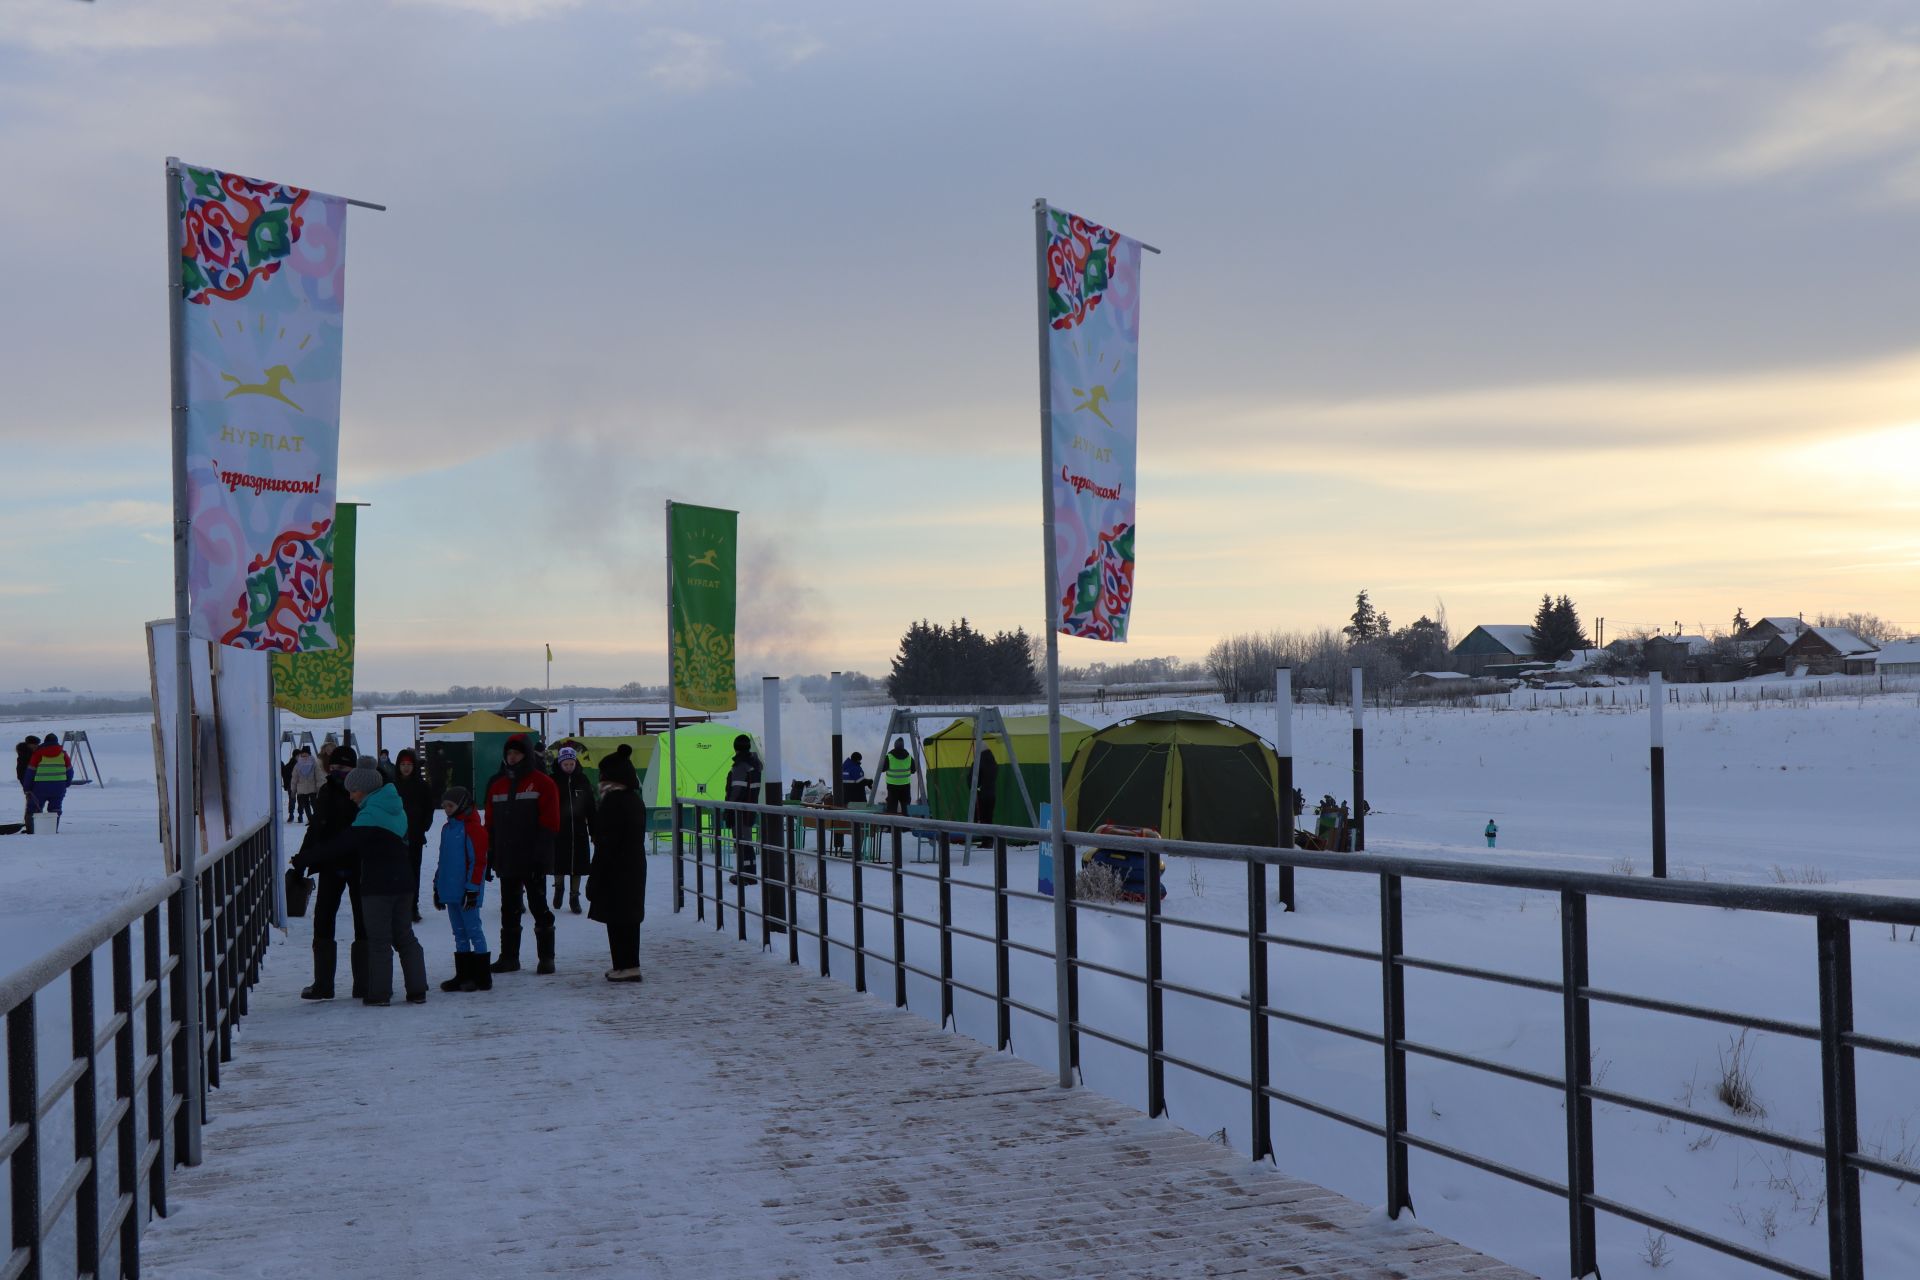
pixel 1462 302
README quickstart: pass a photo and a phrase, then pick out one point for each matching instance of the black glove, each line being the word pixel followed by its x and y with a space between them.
pixel 300 862
pixel 471 901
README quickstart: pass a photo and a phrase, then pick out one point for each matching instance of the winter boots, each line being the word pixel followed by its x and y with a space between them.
pixel 543 947
pixel 559 890
pixel 573 902
pixel 470 972
pixel 623 975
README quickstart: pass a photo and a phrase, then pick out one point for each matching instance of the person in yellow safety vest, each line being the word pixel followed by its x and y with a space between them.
pixel 51 772
pixel 897 768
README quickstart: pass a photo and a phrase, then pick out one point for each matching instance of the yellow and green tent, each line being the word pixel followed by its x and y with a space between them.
pixel 949 763
pixel 1186 775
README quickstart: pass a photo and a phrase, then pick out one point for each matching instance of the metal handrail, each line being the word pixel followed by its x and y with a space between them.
pixel 141 1047
pixel 1832 910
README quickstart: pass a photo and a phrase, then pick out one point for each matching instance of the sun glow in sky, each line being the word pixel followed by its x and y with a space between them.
pixel 1466 303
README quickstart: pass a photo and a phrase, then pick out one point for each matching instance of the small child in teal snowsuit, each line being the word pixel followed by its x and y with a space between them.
pixel 1492 831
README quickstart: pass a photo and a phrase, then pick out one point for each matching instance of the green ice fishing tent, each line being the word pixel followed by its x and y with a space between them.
pixel 949 758
pixel 1186 775
pixel 466 752
pixel 706 753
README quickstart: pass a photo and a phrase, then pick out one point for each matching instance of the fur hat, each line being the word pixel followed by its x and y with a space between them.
pixel 363 781
pixel 342 758
pixel 618 768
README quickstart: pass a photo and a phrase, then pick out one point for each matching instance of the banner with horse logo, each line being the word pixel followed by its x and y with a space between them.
pixel 703 543
pixel 1093 345
pixel 263 274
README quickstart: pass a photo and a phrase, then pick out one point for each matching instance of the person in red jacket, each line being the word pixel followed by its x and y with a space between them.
pixel 523 813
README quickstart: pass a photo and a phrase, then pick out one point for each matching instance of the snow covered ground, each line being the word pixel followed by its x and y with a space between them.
pixel 1814 791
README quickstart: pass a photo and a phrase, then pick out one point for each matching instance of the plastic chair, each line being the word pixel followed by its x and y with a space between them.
pixel 923 839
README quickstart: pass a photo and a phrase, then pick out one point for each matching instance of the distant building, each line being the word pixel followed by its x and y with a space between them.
pixel 1674 657
pixel 1902 659
pixel 1788 629
pixel 1829 651
pixel 1428 679
pixel 1495 644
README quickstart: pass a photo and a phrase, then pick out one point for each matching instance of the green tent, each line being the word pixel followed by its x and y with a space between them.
pixel 706 753
pixel 466 752
pixel 1188 776
pixel 950 767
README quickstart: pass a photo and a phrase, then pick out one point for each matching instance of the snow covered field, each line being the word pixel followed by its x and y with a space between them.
pixel 1819 791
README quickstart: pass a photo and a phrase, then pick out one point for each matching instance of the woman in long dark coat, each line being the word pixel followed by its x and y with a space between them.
pixel 417 800
pixel 617 886
pixel 573 843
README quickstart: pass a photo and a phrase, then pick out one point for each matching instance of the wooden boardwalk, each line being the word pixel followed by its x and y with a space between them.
pixel 732 1117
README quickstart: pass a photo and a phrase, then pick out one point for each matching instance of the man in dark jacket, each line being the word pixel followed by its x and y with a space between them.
pixel 987 798
pixel 743 786
pixel 23 752
pixel 523 813
pixel 333 812
pixel 418 802
pixel 617 885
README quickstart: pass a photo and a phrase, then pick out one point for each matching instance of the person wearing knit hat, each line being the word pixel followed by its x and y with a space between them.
pixel 617 884
pixel 376 846
pixel 459 884
pixel 333 812
pixel 573 848
pixel 523 813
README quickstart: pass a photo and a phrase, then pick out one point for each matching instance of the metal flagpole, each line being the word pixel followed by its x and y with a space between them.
pixel 1056 786
pixel 673 723
pixel 185 844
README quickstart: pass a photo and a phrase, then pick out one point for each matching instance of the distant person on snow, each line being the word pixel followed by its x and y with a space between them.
pixel 459 885
pixel 1492 831
pixel 334 810
pixel 418 802
pixel 617 884
pixel 22 753
pixel 306 784
pixel 523 813
pixel 853 779
pixel 286 779
pixel 52 774
pixel 897 769
pixel 743 787
pixel 988 797
pixel 573 849
pixel 384 765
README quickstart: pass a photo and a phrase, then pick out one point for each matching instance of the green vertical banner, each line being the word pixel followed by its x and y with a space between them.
pixel 319 685
pixel 702 543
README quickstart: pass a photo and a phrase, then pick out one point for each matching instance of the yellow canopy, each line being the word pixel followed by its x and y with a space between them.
pixel 952 747
pixel 477 722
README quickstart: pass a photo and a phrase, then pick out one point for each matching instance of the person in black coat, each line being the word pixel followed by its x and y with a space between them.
pixel 743 786
pixel 417 799
pixel 573 844
pixel 333 812
pixel 617 884
pixel 987 798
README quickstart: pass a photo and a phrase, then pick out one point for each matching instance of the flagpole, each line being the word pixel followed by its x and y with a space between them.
pixel 673 721
pixel 1056 787
pixel 185 850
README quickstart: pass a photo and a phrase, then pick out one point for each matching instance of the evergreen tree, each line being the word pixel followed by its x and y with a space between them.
pixel 1364 624
pixel 1557 629
pixel 1740 623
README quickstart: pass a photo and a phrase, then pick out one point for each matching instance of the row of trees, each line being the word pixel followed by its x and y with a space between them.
pixel 956 661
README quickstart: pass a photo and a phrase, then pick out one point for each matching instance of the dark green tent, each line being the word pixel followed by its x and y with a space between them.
pixel 1186 775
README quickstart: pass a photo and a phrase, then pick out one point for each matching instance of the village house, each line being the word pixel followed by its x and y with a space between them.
pixel 1829 651
pixel 1496 644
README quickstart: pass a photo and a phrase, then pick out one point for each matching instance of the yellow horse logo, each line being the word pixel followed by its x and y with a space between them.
pixel 270 388
pixel 1091 402
pixel 711 560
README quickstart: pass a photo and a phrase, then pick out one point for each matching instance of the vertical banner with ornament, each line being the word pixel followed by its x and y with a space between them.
pixel 1093 348
pixel 262 274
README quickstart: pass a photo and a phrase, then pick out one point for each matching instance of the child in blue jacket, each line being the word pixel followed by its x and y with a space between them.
pixel 458 882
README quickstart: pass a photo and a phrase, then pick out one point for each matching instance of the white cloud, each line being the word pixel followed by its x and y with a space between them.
pixel 686 62
pixel 126 24
pixel 791 43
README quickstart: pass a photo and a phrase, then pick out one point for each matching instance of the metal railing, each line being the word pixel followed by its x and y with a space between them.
pixel 137 1057
pixel 709 825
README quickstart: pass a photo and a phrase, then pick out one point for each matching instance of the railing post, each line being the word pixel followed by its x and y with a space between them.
pixel 679 871
pixel 1067 872
pixel 1002 1013
pixel 699 866
pixel 859 923
pixel 157 1077
pixel 756 827
pixel 899 927
pixel 183 1084
pixel 820 893
pixel 1844 1255
pixel 792 864
pixel 1259 1045
pixel 946 930
pixel 127 1129
pixel 1156 1019
pixel 1393 1032
pixel 23 1108
pixel 86 1119
pixel 1582 1248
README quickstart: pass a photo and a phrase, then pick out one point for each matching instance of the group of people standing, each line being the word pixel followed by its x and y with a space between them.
pixel 44 772
pixel 366 833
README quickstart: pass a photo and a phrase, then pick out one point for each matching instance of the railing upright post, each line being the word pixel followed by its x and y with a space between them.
pixel 859 923
pixel 794 847
pixel 1067 872
pixel 946 930
pixel 1844 1254
pixel 126 1129
pixel 86 1119
pixel 679 870
pixel 820 893
pixel 1259 1043
pixel 1002 1012
pixel 757 830
pixel 1393 1034
pixel 899 927
pixel 183 1085
pixel 23 1107
pixel 1582 1248
pixel 157 1075
pixel 1156 1014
